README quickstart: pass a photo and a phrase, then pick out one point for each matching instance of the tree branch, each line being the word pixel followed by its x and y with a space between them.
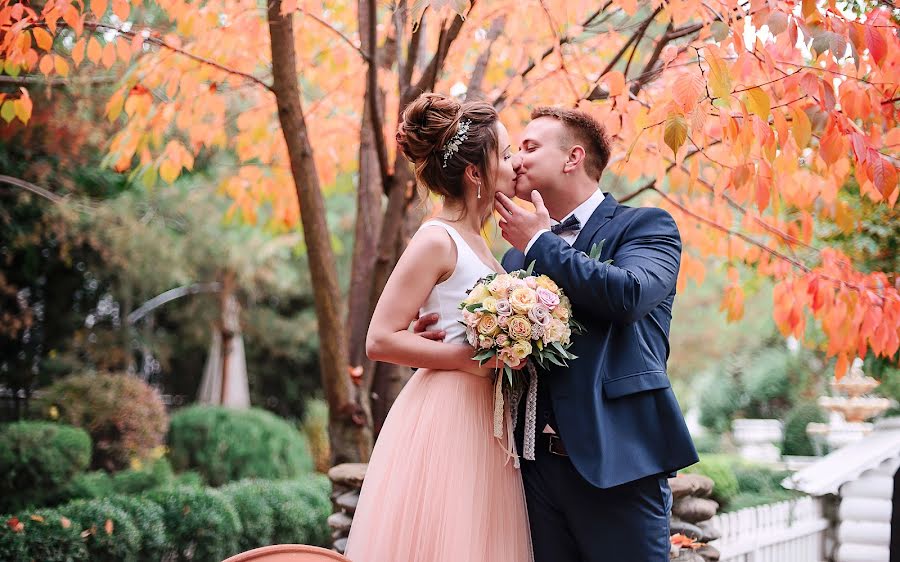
pixel 92 25
pixel 36 189
pixel 365 56
pixel 447 37
pixel 500 100
pixel 474 89
pixel 55 81
pixel 372 87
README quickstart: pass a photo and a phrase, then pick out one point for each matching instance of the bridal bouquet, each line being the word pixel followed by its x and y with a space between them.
pixel 516 316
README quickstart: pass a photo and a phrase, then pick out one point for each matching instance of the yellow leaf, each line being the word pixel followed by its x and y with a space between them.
pixel 99 7
pixel 46 65
pixel 114 105
pixel 719 78
pixel 23 109
pixel 676 131
pixel 94 51
pixel 168 171
pixel 42 38
pixel 62 67
pixel 8 110
pixel 758 102
pixel 801 128
pixel 78 51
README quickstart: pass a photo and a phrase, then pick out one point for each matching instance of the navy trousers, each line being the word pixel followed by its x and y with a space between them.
pixel 574 521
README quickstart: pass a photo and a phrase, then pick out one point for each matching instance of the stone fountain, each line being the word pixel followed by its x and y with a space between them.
pixel 850 408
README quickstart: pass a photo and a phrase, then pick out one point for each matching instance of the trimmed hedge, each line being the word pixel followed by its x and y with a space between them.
pixel 43 535
pixel 37 461
pixel 201 524
pixel 101 484
pixel 148 517
pixel 196 524
pixel 110 533
pixel 225 445
pixel 796 441
pixel 124 416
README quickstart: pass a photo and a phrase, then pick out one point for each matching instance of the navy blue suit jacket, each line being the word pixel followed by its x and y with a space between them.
pixel 614 405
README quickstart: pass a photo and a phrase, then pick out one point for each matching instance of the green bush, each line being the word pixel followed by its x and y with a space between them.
pixel 37 461
pixel 720 469
pixel 721 398
pixel 110 533
pixel 148 517
pixel 101 484
pixel 124 416
pixel 745 500
pixel 796 441
pixel 44 535
pixel 707 443
pixel 298 513
pixel 225 445
pixel 257 517
pixel 201 524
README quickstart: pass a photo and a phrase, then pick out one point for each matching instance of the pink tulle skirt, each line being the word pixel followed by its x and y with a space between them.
pixel 439 486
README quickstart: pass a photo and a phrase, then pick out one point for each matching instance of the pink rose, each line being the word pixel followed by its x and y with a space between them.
pixel 531 281
pixel 547 297
pixel 504 308
pixel 540 314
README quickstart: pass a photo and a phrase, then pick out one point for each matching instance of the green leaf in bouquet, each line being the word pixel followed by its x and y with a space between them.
pixel 577 327
pixel 556 360
pixel 473 307
pixel 530 268
pixel 508 371
pixel 483 356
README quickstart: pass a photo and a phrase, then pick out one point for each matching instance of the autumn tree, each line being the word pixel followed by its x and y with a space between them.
pixel 746 119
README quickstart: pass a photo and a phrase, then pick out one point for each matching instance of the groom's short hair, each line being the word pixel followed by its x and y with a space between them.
pixel 584 130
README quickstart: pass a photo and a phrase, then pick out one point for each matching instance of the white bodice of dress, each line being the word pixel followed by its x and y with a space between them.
pixel 445 297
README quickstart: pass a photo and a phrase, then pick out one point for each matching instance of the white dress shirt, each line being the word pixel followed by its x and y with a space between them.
pixel 582 212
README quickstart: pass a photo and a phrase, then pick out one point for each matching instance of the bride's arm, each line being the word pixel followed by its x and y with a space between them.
pixel 429 258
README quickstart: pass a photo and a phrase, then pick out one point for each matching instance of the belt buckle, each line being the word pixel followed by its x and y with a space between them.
pixel 554 439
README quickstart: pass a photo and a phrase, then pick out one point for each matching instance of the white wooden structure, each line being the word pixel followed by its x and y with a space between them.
pixel 789 531
pixel 859 479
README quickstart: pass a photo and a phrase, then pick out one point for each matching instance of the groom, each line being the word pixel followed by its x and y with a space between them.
pixel 610 429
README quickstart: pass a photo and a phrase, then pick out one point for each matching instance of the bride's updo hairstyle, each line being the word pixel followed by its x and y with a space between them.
pixel 442 136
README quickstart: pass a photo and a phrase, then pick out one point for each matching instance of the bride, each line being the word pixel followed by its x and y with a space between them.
pixel 439 486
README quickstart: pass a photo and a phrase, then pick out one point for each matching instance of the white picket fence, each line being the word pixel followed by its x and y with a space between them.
pixel 789 531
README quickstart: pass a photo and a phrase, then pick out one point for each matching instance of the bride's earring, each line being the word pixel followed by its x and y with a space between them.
pixel 479 190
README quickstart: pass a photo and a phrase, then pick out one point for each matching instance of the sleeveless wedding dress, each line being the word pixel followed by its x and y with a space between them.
pixel 439 486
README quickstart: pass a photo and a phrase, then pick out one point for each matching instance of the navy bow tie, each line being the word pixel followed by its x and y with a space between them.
pixel 569 223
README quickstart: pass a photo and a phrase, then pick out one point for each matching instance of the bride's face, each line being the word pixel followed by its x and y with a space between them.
pixel 505 181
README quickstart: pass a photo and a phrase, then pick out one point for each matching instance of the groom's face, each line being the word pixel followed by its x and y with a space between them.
pixel 541 158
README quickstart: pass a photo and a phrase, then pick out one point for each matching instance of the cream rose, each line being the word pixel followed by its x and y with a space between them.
pixel 478 293
pixel 488 325
pixel 521 349
pixel 561 312
pixel 531 282
pixel 522 299
pixel 554 331
pixel 506 355
pixel 499 287
pixel 489 304
pixel 519 328
pixel 547 283
pixel 485 342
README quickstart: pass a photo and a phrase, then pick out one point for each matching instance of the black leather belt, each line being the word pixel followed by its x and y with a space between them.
pixel 556 446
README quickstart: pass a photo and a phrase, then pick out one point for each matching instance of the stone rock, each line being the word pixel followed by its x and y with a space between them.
pixel 687 555
pixel 702 484
pixel 685 485
pixel 710 533
pixel 693 510
pixel 340 545
pixel 709 553
pixel 685 528
pixel 339 521
pixel 348 474
pixel 347 502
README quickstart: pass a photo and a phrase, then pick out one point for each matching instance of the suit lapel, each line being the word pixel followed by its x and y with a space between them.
pixel 602 215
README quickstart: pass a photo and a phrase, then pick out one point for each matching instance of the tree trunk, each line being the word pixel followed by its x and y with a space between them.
pixel 349 433
pixel 368 225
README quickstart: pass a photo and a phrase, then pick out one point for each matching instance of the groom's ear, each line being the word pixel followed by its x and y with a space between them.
pixel 574 159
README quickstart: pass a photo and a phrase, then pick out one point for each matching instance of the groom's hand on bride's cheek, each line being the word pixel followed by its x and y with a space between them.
pixel 421 325
pixel 519 225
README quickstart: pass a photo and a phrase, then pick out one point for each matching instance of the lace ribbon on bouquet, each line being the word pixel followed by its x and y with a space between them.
pixel 506 409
